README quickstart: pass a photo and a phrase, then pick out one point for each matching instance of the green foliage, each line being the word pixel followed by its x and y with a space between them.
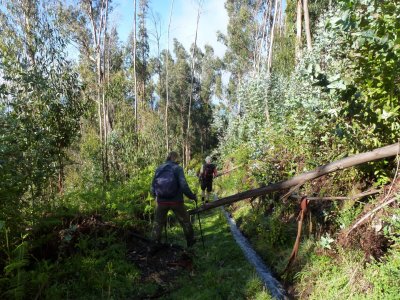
pixel 326 241
pixel 346 277
pixel 40 110
pixel 129 203
pixel 383 278
pixel 99 269
pixel 216 267
pixel 383 275
pixel 86 265
pixel 369 29
pixel 324 109
pixel 270 236
pixel 13 284
pixel 348 213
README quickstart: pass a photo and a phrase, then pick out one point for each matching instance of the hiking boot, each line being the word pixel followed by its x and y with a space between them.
pixel 191 242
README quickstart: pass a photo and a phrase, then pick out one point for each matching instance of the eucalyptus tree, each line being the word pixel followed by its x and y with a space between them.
pixel 210 89
pixel 85 22
pixel 134 54
pixel 40 106
pixel 138 48
pixel 167 80
pixel 307 24
pixel 155 33
pixel 143 49
pixel 187 148
pixel 272 35
pixel 180 76
pixel 247 36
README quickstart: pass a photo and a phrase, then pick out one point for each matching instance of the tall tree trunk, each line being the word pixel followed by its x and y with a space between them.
pixel 187 152
pixel 29 15
pixel 280 23
pixel 97 30
pixel 271 40
pixel 166 80
pixel 258 30
pixel 298 29
pixel 134 66
pixel 260 46
pixel 157 36
pixel 307 24
pixel 98 66
pixel 60 173
pixel 182 123
pixel 105 106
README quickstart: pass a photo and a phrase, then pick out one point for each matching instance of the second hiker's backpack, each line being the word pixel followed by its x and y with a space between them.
pixel 166 184
pixel 208 171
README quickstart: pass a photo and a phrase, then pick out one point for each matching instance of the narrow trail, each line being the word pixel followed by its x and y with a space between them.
pixel 220 270
pixel 271 284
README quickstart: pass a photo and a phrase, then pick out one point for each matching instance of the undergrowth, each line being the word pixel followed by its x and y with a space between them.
pixel 323 269
pixel 221 271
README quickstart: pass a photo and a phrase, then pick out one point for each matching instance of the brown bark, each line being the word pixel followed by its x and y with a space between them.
pixel 299 180
pixel 300 218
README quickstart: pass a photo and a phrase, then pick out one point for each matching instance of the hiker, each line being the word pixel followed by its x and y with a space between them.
pixel 168 186
pixel 207 173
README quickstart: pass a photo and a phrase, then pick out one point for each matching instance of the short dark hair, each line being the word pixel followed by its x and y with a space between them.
pixel 173 156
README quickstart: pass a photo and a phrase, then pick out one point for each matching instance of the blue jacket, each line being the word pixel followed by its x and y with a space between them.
pixel 183 186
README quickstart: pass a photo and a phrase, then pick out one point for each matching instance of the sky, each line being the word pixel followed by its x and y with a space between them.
pixel 213 18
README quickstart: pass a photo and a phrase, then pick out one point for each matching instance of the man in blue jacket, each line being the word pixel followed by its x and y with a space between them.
pixel 168 186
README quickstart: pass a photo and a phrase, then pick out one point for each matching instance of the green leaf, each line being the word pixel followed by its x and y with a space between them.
pixel 338 85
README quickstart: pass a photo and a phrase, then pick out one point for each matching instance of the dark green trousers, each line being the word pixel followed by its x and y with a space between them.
pixel 180 213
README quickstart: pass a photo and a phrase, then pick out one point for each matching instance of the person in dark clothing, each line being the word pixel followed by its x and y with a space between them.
pixel 207 173
pixel 168 186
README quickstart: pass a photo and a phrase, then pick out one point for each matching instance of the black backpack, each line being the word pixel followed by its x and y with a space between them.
pixel 166 184
pixel 208 171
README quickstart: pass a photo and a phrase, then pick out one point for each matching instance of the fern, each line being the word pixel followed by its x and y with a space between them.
pixel 15 272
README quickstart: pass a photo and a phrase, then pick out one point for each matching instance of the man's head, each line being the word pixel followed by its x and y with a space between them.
pixel 173 156
pixel 208 159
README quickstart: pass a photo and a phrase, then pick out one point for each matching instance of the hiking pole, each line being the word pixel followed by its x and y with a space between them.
pixel 201 231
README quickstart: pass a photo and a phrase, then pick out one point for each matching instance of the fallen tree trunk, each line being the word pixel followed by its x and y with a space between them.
pixel 388 151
